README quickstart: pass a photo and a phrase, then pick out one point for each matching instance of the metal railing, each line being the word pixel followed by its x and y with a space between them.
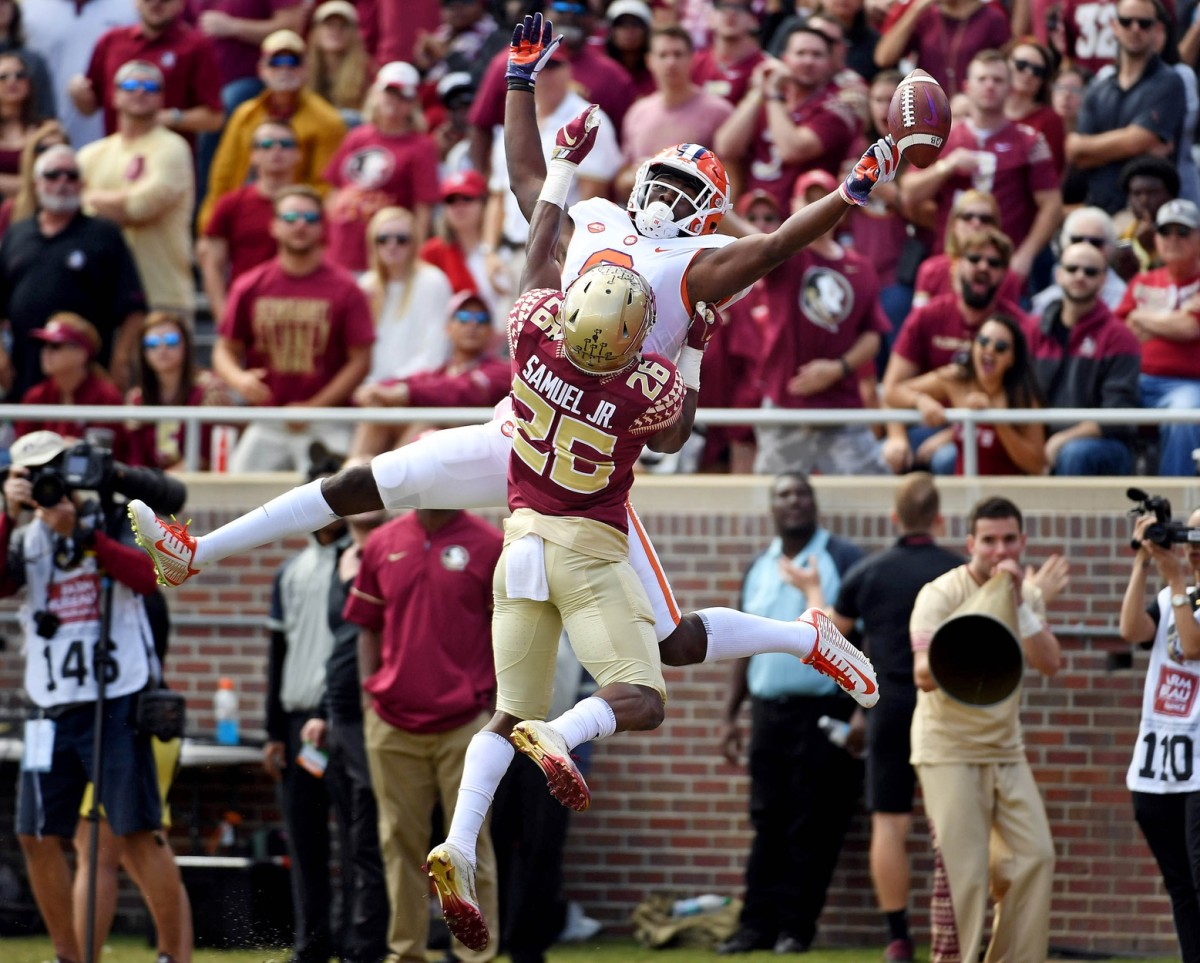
pixel 194 417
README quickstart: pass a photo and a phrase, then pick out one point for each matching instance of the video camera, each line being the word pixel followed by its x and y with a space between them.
pixel 1163 532
pixel 90 467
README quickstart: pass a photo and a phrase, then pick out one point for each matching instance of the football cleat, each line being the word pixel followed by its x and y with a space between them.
pixel 454 879
pixel 170 546
pixel 543 744
pixel 834 656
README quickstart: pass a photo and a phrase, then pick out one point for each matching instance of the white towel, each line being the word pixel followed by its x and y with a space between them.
pixel 525 569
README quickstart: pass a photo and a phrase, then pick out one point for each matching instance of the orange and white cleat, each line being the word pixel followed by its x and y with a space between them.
pixel 542 743
pixel 170 546
pixel 833 655
pixel 454 879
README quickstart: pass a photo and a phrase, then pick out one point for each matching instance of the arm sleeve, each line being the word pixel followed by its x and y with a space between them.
pixel 129 566
pixel 1119 389
pixel 12 565
pixel 365 605
pixel 480 387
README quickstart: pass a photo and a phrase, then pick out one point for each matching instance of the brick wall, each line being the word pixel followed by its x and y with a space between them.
pixel 668 814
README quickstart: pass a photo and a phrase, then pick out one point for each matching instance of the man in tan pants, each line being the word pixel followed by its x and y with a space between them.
pixel 987 817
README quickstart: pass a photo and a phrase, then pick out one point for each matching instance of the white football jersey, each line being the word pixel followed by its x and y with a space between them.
pixel 605 234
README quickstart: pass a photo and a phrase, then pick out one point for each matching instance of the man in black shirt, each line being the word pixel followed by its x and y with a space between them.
pixel 879 591
pixel 60 259
pixel 1136 110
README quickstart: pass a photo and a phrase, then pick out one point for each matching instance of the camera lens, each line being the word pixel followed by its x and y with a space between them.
pixel 48 489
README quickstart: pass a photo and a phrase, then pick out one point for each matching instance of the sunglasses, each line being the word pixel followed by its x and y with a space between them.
pixel 563 6
pixel 283 60
pixel 999 345
pixel 1084 239
pixel 1144 23
pixel 472 317
pixel 382 239
pixel 1173 230
pixel 992 260
pixel 14 75
pixel 1087 269
pixel 133 84
pixel 55 345
pixel 308 217
pixel 1029 67
pixel 286 143
pixel 60 174
pixel 978 218
pixel 172 339
pixel 460 199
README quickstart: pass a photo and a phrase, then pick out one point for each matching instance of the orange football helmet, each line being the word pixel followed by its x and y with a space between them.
pixel 659 219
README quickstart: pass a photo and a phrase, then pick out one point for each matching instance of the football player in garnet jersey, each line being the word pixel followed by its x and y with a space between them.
pixel 668 238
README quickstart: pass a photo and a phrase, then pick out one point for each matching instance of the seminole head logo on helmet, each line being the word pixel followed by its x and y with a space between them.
pixel 606 314
pixel 680 190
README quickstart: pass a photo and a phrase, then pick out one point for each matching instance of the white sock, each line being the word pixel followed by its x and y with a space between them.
pixel 297 512
pixel 486 762
pixel 735 635
pixel 589 719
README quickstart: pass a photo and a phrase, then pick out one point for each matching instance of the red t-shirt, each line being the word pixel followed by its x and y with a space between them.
pixel 1158 291
pixel 817 307
pixel 992 457
pixel 935 332
pixel 944 45
pixel 449 258
pixel 730 81
pixel 160 443
pixel 429 596
pixel 94 390
pixel 601 80
pixel 1024 165
pixel 827 115
pixel 299 328
pixel 1088 25
pixel 242 219
pixel 238 58
pixel 186 57
pixel 370 171
pixel 935 277
pixel 1046 121
pixel 730 372
pixel 577 435
pixel 479 385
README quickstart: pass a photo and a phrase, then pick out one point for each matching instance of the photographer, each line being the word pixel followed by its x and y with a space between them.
pixel 61 557
pixel 1163 775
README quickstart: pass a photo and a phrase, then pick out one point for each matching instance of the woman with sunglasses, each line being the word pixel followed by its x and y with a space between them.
pixel 167 375
pixel 1031 67
pixel 390 161
pixel 407 297
pixel 457 247
pixel 473 376
pixel 972 211
pixel 19 119
pixel 996 374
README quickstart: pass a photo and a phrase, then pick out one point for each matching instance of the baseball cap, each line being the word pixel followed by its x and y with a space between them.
pixel 454 86
pixel 37 448
pixel 400 75
pixel 466 183
pixel 813 178
pixel 68 328
pixel 336 8
pixel 630 8
pixel 750 198
pixel 1179 211
pixel 282 40
pixel 463 297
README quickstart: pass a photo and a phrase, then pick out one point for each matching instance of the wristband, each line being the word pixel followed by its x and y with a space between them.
pixel 520 84
pixel 557 185
pixel 1027 621
pixel 689 366
pixel 845 366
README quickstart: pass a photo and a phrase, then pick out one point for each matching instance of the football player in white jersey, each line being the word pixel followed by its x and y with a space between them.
pixel 669 228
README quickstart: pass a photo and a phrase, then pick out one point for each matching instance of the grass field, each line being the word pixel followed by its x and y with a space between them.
pixel 129 949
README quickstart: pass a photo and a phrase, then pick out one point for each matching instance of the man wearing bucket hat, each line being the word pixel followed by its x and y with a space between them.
pixel 59 559
pixel 319 127
pixel 1162 308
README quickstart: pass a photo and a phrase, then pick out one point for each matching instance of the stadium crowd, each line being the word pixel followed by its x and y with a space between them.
pixel 327 184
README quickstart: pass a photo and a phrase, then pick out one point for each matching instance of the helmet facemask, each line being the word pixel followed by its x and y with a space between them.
pixel 657 219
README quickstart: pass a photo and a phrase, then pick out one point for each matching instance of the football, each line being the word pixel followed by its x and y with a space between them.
pixel 919 118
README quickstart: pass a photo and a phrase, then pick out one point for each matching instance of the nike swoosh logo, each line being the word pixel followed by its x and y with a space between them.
pixel 870 686
pixel 396 556
pixel 162 547
pixel 571 139
pixel 661 250
pixel 931 116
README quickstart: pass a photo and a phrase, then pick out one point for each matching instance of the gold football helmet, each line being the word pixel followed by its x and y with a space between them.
pixel 606 314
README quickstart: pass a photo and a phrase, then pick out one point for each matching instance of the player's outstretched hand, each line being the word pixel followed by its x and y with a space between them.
pixel 577 137
pixel 703 326
pixel 876 166
pixel 533 43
